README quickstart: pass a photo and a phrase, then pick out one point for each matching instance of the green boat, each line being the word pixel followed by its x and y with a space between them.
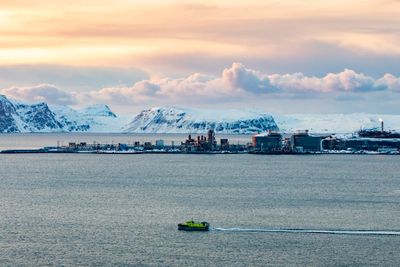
pixel 194 226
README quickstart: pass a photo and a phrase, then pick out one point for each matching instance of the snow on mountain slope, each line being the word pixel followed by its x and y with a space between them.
pixel 335 123
pixel 98 118
pixel 98 110
pixel 19 117
pixel 176 120
pixel 8 115
pixel 36 118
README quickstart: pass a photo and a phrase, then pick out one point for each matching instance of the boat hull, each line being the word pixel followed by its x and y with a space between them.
pixel 183 227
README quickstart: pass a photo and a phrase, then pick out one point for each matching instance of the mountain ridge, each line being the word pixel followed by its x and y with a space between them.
pixel 19 117
pixel 178 120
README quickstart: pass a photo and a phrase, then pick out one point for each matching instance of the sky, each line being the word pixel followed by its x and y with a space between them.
pixel 277 56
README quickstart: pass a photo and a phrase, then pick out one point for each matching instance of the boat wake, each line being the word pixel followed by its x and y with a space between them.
pixel 311 231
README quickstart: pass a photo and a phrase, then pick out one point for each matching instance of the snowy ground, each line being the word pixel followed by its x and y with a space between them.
pixel 335 123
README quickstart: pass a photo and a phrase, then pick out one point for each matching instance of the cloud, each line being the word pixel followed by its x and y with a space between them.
pixel 236 83
pixel 140 91
pixel 390 81
pixel 238 76
pixel 292 34
pixel 41 93
pixel 345 81
pixel 256 82
pixel 195 87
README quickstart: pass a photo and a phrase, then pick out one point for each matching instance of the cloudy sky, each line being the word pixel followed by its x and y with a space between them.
pixel 278 56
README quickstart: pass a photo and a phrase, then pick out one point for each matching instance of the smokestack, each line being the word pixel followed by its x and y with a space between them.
pixel 381 125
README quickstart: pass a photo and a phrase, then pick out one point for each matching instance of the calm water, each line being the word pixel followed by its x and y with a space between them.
pixel 122 210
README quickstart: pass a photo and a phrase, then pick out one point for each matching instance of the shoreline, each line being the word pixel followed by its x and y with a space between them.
pixel 137 152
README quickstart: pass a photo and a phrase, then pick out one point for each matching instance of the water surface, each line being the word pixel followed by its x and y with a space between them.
pixel 88 210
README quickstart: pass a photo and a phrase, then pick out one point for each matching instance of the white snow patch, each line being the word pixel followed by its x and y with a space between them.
pixel 335 123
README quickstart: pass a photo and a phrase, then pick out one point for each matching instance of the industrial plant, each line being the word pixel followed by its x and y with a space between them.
pixel 276 143
pixel 371 141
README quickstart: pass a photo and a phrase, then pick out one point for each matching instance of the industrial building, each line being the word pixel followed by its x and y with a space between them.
pixel 302 142
pixel 201 143
pixel 358 144
pixel 224 144
pixel 160 144
pixel 267 142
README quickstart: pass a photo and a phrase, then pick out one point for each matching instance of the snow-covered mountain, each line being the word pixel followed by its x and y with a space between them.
pixel 36 118
pixel 8 116
pixel 97 118
pixel 18 117
pixel 99 110
pixel 177 120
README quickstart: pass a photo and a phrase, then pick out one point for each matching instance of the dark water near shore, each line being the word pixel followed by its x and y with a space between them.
pixel 96 210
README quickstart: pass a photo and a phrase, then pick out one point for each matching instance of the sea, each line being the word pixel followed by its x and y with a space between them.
pixel 264 210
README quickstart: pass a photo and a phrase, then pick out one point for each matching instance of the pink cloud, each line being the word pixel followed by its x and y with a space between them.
pixel 41 93
pixel 235 82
